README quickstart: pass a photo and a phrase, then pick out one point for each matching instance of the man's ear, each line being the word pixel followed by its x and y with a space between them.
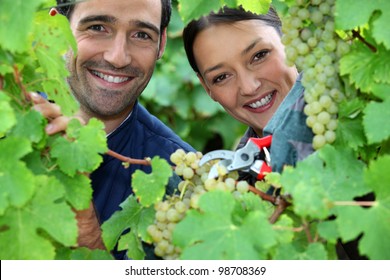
pixel 163 43
pixel 206 88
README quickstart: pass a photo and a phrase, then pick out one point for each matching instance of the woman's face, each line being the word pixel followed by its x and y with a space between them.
pixel 242 66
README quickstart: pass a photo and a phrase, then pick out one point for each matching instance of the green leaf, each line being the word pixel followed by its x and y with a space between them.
pixel 350 133
pixel 376 121
pixel 82 154
pixel 349 14
pixel 87 254
pixel 17 183
pixel 30 125
pixel 352 220
pixel 46 211
pixel 366 67
pixel 121 220
pixel 326 176
pixel 150 188
pixel 255 6
pixel 195 9
pixel 7 115
pixel 212 233
pixel 133 245
pixel 16 18
pixel 78 190
pixel 314 251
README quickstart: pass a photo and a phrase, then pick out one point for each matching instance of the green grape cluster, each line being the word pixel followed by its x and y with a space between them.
pixel 195 183
pixel 315 48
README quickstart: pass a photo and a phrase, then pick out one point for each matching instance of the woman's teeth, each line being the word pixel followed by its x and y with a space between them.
pixel 262 102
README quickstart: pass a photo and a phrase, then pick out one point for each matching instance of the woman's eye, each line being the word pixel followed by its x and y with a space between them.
pixel 219 78
pixel 260 55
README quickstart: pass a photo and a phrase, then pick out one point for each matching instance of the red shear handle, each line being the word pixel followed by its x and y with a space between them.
pixel 265 168
pixel 262 142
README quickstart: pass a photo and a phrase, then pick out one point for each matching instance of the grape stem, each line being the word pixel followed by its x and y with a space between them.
pixel 1 83
pixel 122 158
pixel 280 202
pixel 18 80
pixel 356 34
pixel 355 203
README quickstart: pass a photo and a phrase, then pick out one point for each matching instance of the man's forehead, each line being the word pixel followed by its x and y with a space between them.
pixel 149 9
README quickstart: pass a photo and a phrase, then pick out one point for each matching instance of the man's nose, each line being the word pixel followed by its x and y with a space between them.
pixel 118 52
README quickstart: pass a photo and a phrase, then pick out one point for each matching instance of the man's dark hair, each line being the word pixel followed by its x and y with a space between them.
pixel 66 7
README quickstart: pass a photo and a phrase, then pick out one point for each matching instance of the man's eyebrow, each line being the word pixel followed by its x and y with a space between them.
pixel 145 24
pixel 100 18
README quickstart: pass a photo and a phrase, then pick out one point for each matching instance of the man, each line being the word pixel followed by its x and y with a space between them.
pixel 119 42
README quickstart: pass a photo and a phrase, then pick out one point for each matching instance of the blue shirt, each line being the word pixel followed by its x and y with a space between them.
pixel 141 135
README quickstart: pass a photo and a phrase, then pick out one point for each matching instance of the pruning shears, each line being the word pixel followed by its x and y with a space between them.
pixel 254 158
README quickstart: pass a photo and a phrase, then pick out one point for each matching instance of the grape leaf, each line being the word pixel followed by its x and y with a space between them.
pixel 82 154
pixel 212 233
pixel 189 9
pixel 16 23
pixel 128 217
pixel 328 175
pixel 314 251
pixel 78 190
pixel 30 125
pixel 376 124
pixel 373 221
pixel 45 211
pixel 350 133
pixel 150 188
pixel 255 6
pixel 87 254
pixel 366 67
pixel 7 115
pixel 17 183
pixel 349 14
pixel 133 245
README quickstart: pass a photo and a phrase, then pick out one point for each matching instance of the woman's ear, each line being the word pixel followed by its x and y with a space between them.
pixel 206 88
pixel 163 43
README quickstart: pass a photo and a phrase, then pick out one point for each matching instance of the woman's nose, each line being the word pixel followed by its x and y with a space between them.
pixel 249 84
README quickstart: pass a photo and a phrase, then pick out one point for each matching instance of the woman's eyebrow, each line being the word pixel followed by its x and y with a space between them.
pixel 251 46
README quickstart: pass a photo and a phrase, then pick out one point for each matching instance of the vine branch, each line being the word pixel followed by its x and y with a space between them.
pixel 1 82
pixel 356 34
pixel 129 160
pixel 18 80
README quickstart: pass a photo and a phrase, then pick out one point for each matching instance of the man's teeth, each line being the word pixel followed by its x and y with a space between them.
pixel 262 102
pixel 111 79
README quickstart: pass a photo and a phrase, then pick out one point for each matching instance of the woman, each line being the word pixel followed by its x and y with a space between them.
pixel 239 59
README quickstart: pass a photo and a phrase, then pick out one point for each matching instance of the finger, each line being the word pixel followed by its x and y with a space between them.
pixel 36 98
pixel 48 110
pixel 58 124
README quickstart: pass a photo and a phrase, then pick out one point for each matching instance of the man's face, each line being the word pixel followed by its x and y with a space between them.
pixel 118 45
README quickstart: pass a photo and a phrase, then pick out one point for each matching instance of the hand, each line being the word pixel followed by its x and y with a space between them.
pixel 52 112
pixel 90 234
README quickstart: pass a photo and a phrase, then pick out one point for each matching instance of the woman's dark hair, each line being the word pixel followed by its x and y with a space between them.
pixel 224 15
pixel 66 7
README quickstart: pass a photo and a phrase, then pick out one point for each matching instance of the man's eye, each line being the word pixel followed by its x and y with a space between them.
pixel 96 27
pixel 143 35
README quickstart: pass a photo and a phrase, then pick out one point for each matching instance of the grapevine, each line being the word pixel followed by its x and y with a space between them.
pixel 196 182
pixel 315 48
